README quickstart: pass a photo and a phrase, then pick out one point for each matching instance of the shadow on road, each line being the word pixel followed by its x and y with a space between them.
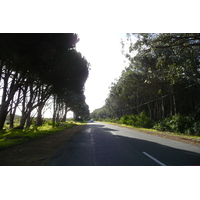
pixel 94 126
pixel 101 148
pixel 168 155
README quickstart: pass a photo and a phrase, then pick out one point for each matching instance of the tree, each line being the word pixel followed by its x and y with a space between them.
pixel 43 65
pixel 162 78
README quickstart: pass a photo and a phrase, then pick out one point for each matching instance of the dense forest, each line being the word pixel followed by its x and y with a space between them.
pixel 160 86
pixel 41 69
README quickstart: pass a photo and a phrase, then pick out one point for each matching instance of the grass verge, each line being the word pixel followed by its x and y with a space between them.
pixel 168 135
pixel 38 151
pixel 12 137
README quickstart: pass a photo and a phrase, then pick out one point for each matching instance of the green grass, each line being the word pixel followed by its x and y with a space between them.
pixel 154 130
pixel 10 137
pixel 171 133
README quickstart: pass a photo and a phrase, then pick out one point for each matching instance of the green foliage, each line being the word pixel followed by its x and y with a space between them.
pixel 10 137
pixel 162 126
pixel 196 128
pixel 179 124
pixel 162 79
pixel 49 122
pixel 79 120
pixel 144 121
pixel 110 120
pixel 128 120
pixel 140 120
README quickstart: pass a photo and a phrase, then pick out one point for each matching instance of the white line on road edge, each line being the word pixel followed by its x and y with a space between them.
pixel 160 163
pixel 113 133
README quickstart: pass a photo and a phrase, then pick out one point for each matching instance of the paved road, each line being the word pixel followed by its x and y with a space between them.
pixel 102 144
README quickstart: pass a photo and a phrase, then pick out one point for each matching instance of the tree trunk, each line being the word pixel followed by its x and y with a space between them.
pixel 54 111
pixel 4 102
pixel 174 103
pixel 163 109
pixel 28 122
pixel 9 90
pixel 137 103
pixel 171 106
pixel 13 109
pixel 22 121
pixel 12 117
pixel 39 115
pixel 25 119
pixel 149 107
pixel 3 114
pixel 65 114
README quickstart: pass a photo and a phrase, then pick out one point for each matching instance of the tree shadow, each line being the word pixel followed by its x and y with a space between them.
pixel 100 147
pixel 102 127
pixel 167 155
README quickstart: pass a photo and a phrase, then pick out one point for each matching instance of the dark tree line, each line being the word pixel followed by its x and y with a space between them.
pixel 162 79
pixel 35 68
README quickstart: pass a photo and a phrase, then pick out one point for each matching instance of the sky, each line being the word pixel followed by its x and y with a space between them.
pixel 103 52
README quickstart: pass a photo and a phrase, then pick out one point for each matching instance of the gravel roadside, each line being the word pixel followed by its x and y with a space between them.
pixel 39 151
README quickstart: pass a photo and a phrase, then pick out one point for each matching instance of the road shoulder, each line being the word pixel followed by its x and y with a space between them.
pixel 166 135
pixel 39 151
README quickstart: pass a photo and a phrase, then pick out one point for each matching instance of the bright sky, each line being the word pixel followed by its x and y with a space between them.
pixel 103 52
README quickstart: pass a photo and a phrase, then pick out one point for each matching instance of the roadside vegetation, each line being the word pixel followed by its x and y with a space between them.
pixel 160 86
pixel 182 125
pixel 10 137
pixel 179 128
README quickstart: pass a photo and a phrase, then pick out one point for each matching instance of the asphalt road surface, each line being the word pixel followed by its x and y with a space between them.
pixel 102 144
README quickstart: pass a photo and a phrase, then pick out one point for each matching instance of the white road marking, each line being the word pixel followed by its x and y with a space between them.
pixel 160 163
pixel 88 130
pixel 113 133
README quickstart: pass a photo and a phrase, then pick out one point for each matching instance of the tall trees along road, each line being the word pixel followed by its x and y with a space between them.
pixel 102 144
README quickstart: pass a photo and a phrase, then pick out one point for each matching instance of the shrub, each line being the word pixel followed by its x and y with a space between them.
pixel 179 124
pixel 50 122
pixel 140 120
pixel 124 119
pixel 196 128
pixel 143 121
pixel 79 120
pixel 162 126
pixel 107 119
pixel 128 119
